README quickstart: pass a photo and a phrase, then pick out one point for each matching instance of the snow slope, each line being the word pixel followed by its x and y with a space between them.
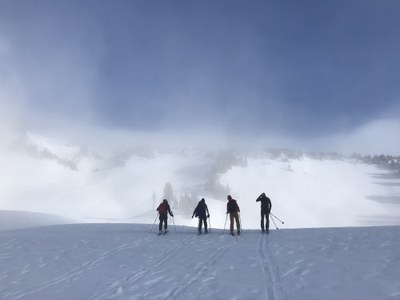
pixel 127 261
pixel 317 193
pixel 125 185
pixel 23 219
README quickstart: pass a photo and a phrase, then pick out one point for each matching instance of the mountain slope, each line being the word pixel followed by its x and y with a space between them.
pixel 24 219
pixel 306 189
pixel 127 261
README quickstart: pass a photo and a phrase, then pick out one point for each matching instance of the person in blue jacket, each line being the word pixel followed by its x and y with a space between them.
pixel 201 211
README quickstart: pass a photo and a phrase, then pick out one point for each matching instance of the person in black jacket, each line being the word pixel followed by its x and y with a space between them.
pixel 163 210
pixel 266 206
pixel 232 208
pixel 201 211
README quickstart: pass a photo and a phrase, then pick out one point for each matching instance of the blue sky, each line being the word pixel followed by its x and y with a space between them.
pixel 304 69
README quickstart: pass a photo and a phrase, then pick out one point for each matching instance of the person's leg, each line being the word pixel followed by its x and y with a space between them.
pixel 262 221
pixel 267 217
pixel 237 222
pixel 199 227
pixel 231 217
pixel 160 224
pixel 166 222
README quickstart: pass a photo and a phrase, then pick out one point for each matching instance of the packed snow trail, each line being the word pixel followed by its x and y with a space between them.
pixel 126 261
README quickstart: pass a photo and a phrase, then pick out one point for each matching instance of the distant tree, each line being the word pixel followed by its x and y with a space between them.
pixel 154 197
pixel 169 195
pixel 188 203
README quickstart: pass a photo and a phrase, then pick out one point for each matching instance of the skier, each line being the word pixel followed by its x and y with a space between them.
pixel 202 212
pixel 233 209
pixel 266 206
pixel 163 210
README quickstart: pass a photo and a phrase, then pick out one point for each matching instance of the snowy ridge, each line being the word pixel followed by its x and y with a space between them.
pixel 23 219
pixel 126 184
pixel 128 261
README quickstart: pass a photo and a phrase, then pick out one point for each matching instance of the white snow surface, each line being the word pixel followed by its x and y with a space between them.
pixel 57 177
pixel 129 261
pixel 23 219
pixel 121 257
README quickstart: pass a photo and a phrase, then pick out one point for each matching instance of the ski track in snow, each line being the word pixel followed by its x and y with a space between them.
pixel 72 275
pixel 266 269
pixel 200 271
pixel 128 287
pixel 128 262
pixel 123 284
pixel 274 287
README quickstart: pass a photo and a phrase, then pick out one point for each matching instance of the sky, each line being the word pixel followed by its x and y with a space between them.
pixel 325 74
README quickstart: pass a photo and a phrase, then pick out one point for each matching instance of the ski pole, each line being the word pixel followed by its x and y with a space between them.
pixel 274 223
pixel 226 219
pixel 240 222
pixel 154 223
pixel 277 218
pixel 173 220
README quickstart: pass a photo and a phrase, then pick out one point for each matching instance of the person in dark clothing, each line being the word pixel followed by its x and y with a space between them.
pixel 201 211
pixel 232 208
pixel 266 206
pixel 163 211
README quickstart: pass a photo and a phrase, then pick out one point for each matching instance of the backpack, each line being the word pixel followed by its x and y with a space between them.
pixel 200 210
pixel 162 209
pixel 232 206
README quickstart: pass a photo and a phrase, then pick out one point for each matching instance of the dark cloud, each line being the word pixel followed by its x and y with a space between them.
pixel 303 70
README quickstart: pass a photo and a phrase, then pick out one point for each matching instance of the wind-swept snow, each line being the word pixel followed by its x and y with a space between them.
pixel 51 176
pixel 127 261
pixel 317 193
pixel 23 219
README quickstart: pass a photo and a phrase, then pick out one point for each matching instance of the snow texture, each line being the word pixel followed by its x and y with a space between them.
pixel 128 261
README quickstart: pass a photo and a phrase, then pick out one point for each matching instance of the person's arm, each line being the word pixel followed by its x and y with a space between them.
pixel 208 213
pixel 270 205
pixel 170 212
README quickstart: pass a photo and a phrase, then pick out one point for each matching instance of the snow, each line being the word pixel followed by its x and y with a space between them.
pixel 89 185
pixel 317 193
pixel 23 219
pixel 128 261
pixel 330 246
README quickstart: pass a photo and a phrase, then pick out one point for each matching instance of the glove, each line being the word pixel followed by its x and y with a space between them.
pixel 172 215
pixel 208 215
pixel 192 217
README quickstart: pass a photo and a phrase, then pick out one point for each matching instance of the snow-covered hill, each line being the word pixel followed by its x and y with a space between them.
pixel 24 219
pixel 128 261
pixel 53 176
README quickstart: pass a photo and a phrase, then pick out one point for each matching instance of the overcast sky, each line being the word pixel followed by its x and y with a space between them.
pixel 309 69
